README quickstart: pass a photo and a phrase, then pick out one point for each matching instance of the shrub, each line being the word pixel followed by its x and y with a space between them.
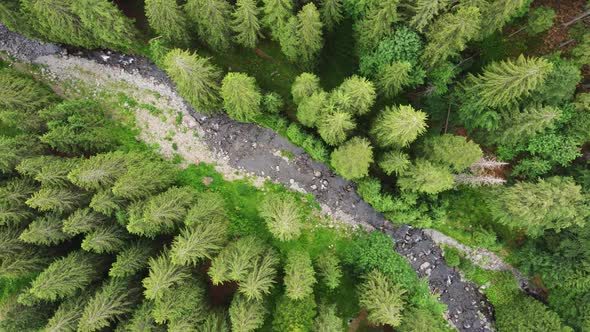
pixel 272 102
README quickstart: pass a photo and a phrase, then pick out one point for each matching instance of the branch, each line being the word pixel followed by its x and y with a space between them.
pixel 576 19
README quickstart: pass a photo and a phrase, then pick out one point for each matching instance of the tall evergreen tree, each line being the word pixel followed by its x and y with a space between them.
pixel 332 13
pixel 212 18
pixel 383 299
pixel 183 306
pixel 105 239
pixel 208 208
pixel 499 12
pixel 394 78
pixel 304 86
pixel 426 177
pixel 236 260
pixel 327 320
pixel 115 298
pixel 310 109
pixel 102 170
pixel 163 277
pixel 144 179
pixel 299 275
pixel 13 194
pixel 196 78
pixel 198 242
pixel 289 40
pixel 450 33
pixel 55 172
pixel 334 127
pixel 276 14
pixel 261 279
pixel 353 158
pixel 246 316
pixel 329 270
pixel 131 259
pixel 503 83
pixel 425 11
pixel 376 24
pixel 523 125
pixel 359 93
pixel 452 150
pixel 45 230
pixel 398 126
pixel 31 167
pixel 394 162
pixel 283 216
pixel 168 20
pixel 68 314
pixel 245 23
pixel 83 221
pixel 106 203
pixel 60 200
pixel 309 33
pixel 241 96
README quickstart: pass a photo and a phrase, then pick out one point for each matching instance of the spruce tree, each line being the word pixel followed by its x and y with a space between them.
pixel 289 40
pixel 329 270
pixel 196 243
pixel 426 177
pixel 131 259
pixel 332 13
pixel 60 200
pixel 398 126
pixel 168 20
pixel 115 298
pixel 83 221
pixel 383 299
pixel 353 158
pixel 394 78
pixel 236 260
pixel 425 11
pixel 31 167
pixel 299 275
pixel 66 276
pixel 327 320
pixel 105 239
pixel 68 314
pixel 310 109
pixel 106 203
pixel 276 13
pixel 196 78
pixel 246 316
pixel 377 24
pixel 522 126
pixel 359 93
pixel 141 319
pixel 499 12
pixel 503 83
pixel 102 170
pixel 309 33
pixel 212 18
pixel 283 216
pixel 245 23
pixel 216 321
pixel 241 96
pixel 452 150
pixel 208 208
pixel 45 230
pixel 449 35
pixel 144 179
pixel 55 172
pixel 13 194
pixel 163 277
pixel 305 85
pixel 394 162
pixel 24 263
pixel 183 306
pixel 261 279
pixel 334 127
pixel 13 150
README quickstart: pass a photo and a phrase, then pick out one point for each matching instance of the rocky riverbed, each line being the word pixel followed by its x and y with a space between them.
pixel 241 150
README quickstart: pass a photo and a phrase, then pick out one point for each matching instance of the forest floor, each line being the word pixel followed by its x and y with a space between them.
pixel 141 95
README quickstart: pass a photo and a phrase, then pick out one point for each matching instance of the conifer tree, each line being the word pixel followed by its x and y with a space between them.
pixel 212 18
pixel 552 204
pixel 245 23
pixel 60 200
pixel 332 13
pixel 102 170
pixel 289 40
pixel 68 314
pixel 115 298
pixel 66 276
pixel 131 259
pixel 45 230
pixel 141 319
pixel 236 260
pixel 309 33
pixel 13 194
pixel 309 110
pixel 168 20
pixel 360 94
pixel 329 271
pixel 196 78
pixel 272 102
pixel 327 320
pixel 27 261
pixel 12 17
pixel 522 126
pixel 335 127
pixel 503 83
pixel 383 299
pixel 201 241
pixel 241 97
pixel 377 24
pixel 304 86
pixel 261 279
pixel 144 179
pixel 13 150
pixel 398 126
pixel 163 276
pixel 105 239
pixel 425 11
pixel 426 177
pixel 208 208
pixel 183 306
pixel 499 12
pixel 83 221
pixel 216 321
pixel 31 167
pixel 276 13
pixel 106 203
pixel 394 162
pixel 294 315
pixel 283 216
pixel 452 150
pixel 19 317
pixel 55 172
pixel 299 275
pixel 393 78
pixel 450 33
pixel 10 244
pixel 246 316
pixel 353 158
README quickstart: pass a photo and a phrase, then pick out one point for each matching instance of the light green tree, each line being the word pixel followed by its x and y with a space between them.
pixel 201 241
pixel 309 34
pixel 499 12
pixel 246 316
pixel 83 221
pixel 144 179
pixel 450 33
pixel 168 20
pixel 261 279
pixel 383 299
pixel 163 276
pixel 60 200
pixel 304 86
pixel 299 275
pixel 68 314
pixel 102 170
pixel 105 239
pixel 425 11
pixel 131 259
pixel 359 94
pixel 310 109
pixel 393 78
pixel 55 172
pixel 283 216
pixel 334 127
pixel 272 102
pixel 276 14
pixel 245 23
pixel 106 203
pixel 452 150
pixel 327 319
pixel 426 177
pixel 212 19
pixel 196 78
pixel 45 230
pixel 182 307
pixel 241 96
pixel 289 40
pixel 503 83
pixel 332 13
pixel 353 158
pixel 377 23
pixel 398 126
pixel 208 208
pixel 394 162
pixel 236 260
pixel 329 270
pixel 114 299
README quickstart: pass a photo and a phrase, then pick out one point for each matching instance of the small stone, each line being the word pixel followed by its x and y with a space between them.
pixel 314 187
pixel 278 168
pixel 317 174
pixel 291 181
pixel 424 265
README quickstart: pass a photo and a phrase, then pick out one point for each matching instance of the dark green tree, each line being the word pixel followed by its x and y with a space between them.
pixel 425 11
pixel 329 270
pixel 212 18
pixel 276 13
pixel 245 23
pixel 452 150
pixel 327 319
pixel 294 315
pixel 376 24
pixel 332 13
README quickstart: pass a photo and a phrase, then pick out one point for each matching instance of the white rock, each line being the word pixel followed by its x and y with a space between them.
pixel 424 266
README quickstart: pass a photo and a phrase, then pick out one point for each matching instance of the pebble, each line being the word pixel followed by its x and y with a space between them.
pixel 424 265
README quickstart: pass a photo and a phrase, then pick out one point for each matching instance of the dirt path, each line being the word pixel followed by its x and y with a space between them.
pixel 146 96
